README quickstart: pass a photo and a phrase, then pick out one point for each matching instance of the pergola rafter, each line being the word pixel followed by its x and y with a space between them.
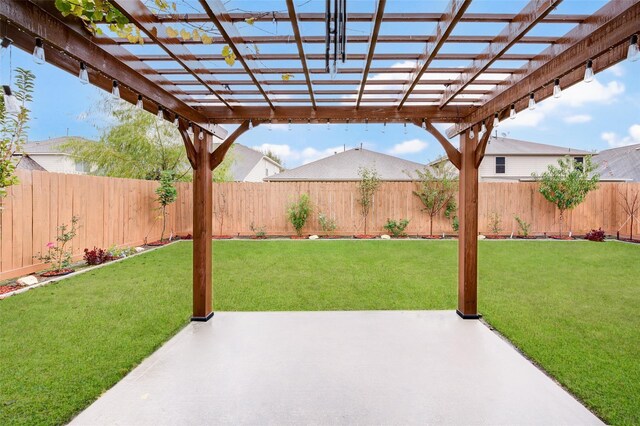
pixel 435 91
pixel 530 15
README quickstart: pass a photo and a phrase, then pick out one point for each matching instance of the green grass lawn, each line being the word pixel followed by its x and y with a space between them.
pixel 570 306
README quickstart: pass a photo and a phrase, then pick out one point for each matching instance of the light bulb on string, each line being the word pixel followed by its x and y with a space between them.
pixel 346 128
pixel 483 130
pixel 38 52
pixel 139 103
pixel 176 121
pixel 201 135
pixel 384 126
pixel 557 90
pixel 308 125
pixel 115 90
pixel 588 72
pixel 633 53
pixel 366 124
pixel 471 133
pixel 83 75
pixel 496 120
pixel 11 105
pixel 5 44
pixel 270 125
pixel 160 115
pixel 512 112
pixel 190 130
pixel 532 102
pixel 289 125
pixel 250 124
pixel 405 128
pixel 424 124
pixel 328 124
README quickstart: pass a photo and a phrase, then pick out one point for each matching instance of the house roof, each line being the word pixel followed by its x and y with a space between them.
pixel 50 146
pixel 244 160
pixel 507 146
pixel 343 166
pixel 24 162
pixel 620 163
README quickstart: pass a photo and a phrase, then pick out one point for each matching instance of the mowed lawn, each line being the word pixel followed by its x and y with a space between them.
pixel 570 306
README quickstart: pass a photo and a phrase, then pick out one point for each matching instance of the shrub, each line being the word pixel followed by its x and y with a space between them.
pixel 97 256
pixel 397 227
pixel 367 186
pixel 57 254
pixel 327 224
pixel 437 188
pixel 298 212
pixel 495 222
pixel 524 226
pixel 117 253
pixel 259 231
pixel 167 194
pixel 455 223
pixel 595 235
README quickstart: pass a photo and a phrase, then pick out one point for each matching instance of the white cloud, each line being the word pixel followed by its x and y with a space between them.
pixel 617 70
pixel 577 96
pixel 578 118
pixel 615 141
pixel 293 156
pixel 411 146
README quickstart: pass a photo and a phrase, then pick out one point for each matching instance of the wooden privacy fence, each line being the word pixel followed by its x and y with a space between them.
pixel 123 212
pixel 237 205
pixel 120 212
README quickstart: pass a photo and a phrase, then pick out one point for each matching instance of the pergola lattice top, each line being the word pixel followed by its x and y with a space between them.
pixel 406 61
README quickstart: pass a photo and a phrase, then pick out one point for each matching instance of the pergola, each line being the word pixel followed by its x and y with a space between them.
pixel 395 73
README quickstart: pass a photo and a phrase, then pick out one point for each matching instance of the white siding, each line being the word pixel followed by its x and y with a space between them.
pixel 516 166
pixel 56 163
pixel 261 170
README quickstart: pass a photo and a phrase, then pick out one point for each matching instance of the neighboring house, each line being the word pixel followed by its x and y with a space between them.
pixel 49 155
pixel 515 160
pixel 24 162
pixel 343 166
pixel 620 163
pixel 250 165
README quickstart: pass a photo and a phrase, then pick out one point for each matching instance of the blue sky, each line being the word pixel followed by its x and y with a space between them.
pixel 594 116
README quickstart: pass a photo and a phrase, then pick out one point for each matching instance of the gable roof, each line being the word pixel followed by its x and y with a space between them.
pixel 343 166
pixel 507 146
pixel 620 163
pixel 24 162
pixel 244 160
pixel 50 146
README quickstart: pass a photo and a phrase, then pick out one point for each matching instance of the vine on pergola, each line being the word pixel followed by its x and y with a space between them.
pixel 94 12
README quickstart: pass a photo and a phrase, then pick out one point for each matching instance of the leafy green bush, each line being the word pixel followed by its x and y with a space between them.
pixel 57 254
pixel 455 223
pixel 397 227
pixel 259 231
pixel 495 222
pixel 298 212
pixel 524 226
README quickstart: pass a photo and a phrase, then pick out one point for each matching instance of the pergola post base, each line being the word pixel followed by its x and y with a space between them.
pixel 469 316
pixel 202 319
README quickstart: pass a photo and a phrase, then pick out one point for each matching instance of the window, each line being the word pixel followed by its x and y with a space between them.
pixel 500 164
pixel 579 161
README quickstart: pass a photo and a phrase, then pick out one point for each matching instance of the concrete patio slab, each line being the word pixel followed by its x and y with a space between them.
pixel 327 368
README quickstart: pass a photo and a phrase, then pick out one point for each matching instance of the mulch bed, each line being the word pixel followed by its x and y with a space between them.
pixel 158 243
pixel 222 237
pixel 431 237
pixel 528 237
pixel 558 237
pixel 9 288
pixel 258 237
pixel 364 237
pixel 58 273
pixel 628 240
pixel 298 237
pixel 330 237
pixel 495 237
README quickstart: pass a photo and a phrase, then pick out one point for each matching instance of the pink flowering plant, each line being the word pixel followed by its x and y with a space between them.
pixel 57 254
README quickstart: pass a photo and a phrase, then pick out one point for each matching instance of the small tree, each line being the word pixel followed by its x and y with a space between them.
pixel 298 212
pixel 523 226
pixel 13 129
pixel 167 194
pixel 567 184
pixel 57 253
pixel 495 222
pixel 437 188
pixel 327 224
pixel 631 207
pixel 367 187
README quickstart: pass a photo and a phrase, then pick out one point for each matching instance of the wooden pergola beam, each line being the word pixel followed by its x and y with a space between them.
pixel 336 114
pixel 452 152
pixel 604 38
pixel 327 82
pixel 217 156
pixel 379 70
pixel 369 17
pixel 296 32
pixel 145 20
pixel 514 31
pixel 220 18
pixel 23 21
pixel 373 39
pixel 455 10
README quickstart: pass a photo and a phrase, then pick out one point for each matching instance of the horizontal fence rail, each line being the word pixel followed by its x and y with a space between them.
pixel 123 212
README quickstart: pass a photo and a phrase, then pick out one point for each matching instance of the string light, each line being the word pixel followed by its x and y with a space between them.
pixel 346 128
pixel 405 128
pixel 532 102
pixel 270 125
pixel 190 130
pixel 633 53
pixel 250 124
pixel 471 133
pixel 512 113
pixel 176 121
pixel 308 124
pixel 328 124
pixel 139 104
pixel 11 105
pixel 201 135
pixel 496 120
pixel 115 90
pixel 289 125
pixel 5 44
pixel 366 124
pixel 83 75
pixel 424 124
pixel 588 72
pixel 483 129
pixel 384 125
pixel 557 90
pixel 38 52
pixel 160 115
